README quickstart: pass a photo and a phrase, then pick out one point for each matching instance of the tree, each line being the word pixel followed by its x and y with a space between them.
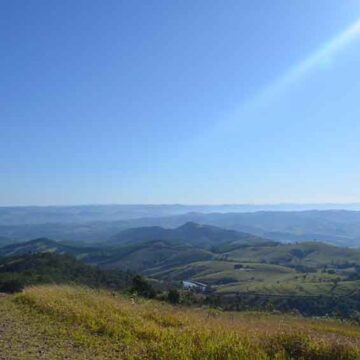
pixel 11 286
pixel 173 296
pixel 142 287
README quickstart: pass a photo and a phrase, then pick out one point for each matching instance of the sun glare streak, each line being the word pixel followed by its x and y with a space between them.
pixel 325 54
pixel 320 59
pixel 256 108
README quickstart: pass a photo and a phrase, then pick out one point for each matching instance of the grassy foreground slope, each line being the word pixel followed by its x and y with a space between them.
pixel 63 322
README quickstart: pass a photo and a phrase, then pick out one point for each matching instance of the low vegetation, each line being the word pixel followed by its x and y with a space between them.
pixel 80 323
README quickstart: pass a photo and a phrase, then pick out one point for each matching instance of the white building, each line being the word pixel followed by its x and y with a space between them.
pixel 194 285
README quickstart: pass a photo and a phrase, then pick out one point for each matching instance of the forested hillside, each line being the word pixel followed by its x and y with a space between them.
pixel 52 268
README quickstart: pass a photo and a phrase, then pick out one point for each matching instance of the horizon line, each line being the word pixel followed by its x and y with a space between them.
pixel 255 204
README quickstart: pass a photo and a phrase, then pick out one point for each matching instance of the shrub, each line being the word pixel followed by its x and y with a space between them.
pixel 11 286
pixel 142 287
pixel 173 296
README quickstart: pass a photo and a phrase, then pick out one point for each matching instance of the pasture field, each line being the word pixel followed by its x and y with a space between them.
pixel 228 277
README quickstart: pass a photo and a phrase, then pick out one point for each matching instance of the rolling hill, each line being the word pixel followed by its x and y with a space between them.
pixel 190 233
pixel 312 254
pixel 5 241
pixel 312 277
pixel 52 268
pixel 134 257
pixel 43 245
pixel 338 227
pixel 144 256
pixel 143 248
pixel 227 260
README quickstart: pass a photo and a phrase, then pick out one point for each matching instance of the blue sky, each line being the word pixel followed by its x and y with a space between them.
pixel 179 101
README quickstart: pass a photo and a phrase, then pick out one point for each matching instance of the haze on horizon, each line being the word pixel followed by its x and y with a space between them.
pixel 179 102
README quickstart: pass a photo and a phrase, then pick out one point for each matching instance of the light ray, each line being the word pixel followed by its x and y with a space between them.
pixel 256 108
pixel 319 59
pixel 323 55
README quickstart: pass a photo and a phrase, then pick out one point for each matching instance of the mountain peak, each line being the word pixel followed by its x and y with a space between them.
pixel 190 225
pixel 42 240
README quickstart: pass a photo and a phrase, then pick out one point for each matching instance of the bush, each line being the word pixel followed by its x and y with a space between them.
pixel 142 287
pixel 173 296
pixel 11 286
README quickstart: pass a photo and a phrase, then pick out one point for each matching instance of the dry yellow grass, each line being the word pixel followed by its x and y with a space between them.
pixel 101 325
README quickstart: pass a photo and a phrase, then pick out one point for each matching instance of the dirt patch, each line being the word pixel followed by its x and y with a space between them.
pixel 22 336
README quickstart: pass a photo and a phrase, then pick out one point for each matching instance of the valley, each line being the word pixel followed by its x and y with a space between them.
pixel 231 264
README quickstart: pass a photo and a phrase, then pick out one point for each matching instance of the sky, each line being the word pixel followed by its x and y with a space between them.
pixel 191 101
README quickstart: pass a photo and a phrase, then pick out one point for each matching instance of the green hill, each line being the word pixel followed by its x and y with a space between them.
pixel 338 227
pixel 190 233
pixel 143 256
pixel 311 254
pixel 42 245
pixel 137 256
pixel 240 264
pixel 45 268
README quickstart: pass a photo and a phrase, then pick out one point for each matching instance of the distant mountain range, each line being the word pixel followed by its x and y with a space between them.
pixel 189 233
pixel 142 248
pixel 146 248
pixel 337 227
pixel 17 215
